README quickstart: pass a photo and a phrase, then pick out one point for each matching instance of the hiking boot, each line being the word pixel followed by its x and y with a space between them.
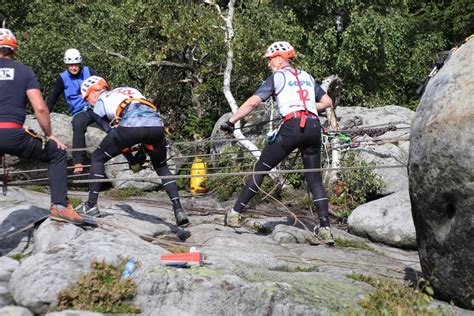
pixel 78 168
pixel 232 218
pixel 85 209
pixel 67 214
pixel 181 217
pixel 324 234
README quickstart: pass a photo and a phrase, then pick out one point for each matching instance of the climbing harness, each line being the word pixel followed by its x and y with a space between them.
pixel 115 122
pixel 31 132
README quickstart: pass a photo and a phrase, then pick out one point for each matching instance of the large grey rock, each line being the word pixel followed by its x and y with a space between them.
pixel 16 213
pixel 15 311
pixel 5 297
pixel 52 233
pixel 115 168
pixel 38 281
pixel 387 220
pixel 441 168
pixel 285 234
pixel 395 153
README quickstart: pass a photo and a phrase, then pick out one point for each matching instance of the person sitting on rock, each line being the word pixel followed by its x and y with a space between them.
pixel 299 99
pixel 69 83
pixel 18 83
pixel 136 121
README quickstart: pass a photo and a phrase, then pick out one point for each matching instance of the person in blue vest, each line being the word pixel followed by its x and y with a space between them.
pixel 69 83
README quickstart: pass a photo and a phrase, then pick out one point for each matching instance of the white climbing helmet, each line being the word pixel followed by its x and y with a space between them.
pixel 72 56
pixel 283 49
pixel 7 39
pixel 93 83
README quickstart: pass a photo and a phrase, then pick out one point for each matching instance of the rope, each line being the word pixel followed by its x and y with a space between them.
pixel 242 173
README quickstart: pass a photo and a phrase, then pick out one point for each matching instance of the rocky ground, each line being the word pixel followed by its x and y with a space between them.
pixel 267 267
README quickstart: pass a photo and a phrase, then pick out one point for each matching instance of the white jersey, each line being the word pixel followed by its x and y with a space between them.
pixel 290 96
pixel 109 101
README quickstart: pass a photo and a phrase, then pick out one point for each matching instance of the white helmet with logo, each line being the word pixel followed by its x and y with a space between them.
pixel 7 39
pixel 72 56
pixel 93 83
pixel 283 49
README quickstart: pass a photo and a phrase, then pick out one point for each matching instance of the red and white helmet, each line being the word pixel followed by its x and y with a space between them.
pixel 92 83
pixel 72 56
pixel 283 49
pixel 7 39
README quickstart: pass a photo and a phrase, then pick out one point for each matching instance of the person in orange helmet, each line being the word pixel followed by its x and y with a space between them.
pixel 299 98
pixel 135 121
pixel 18 84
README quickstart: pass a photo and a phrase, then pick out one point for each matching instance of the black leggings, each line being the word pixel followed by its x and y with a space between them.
pixel 80 122
pixel 290 137
pixel 14 141
pixel 123 137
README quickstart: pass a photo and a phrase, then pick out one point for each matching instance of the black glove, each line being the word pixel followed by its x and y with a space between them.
pixel 228 127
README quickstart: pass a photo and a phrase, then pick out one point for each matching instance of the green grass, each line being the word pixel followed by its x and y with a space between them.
pixel 352 244
pixel 394 298
pixel 37 188
pixel 122 193
pixel 102 290
pixel 19 256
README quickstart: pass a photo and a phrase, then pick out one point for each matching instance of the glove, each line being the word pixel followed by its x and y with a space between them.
pixel 228 127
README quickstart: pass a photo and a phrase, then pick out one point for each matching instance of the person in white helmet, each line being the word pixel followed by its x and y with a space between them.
pixel 18 84
pixel 136 121
pixel 299 98
pixel 69 84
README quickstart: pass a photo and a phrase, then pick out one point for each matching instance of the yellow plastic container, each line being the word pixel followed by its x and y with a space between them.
pixel 197 183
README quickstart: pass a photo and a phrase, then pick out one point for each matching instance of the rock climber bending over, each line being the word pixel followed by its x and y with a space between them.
pixel 137 121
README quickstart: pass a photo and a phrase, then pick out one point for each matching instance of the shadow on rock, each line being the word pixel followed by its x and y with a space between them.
pixel 180 232
pixel 16 220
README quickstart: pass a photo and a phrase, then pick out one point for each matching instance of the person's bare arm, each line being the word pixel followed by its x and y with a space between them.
pixel 248 106
pixel 324 103
pixel 42 115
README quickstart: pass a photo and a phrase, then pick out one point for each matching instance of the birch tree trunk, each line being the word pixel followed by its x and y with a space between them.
pixel 229 36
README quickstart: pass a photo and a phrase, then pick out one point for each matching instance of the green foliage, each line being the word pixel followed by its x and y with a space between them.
pixel 352 244
pixel 225 187
pixel 123 193
pixel 174 52
pixel 394 298
pixel 101 290
pixel 19 256
pixel 354 187
pixel 75 201
pixel 37 188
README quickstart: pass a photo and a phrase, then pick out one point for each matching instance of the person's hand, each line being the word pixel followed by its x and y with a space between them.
pixel 228 127
pixel 57 141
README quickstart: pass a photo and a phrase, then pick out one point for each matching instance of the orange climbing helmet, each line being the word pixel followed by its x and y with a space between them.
pixel 7 39
pixel 93 83
pixel 283 49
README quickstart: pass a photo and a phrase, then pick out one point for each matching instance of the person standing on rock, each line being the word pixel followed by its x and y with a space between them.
pixel 18 84
pixel 69 83
pixel 299 99
pixel 135 121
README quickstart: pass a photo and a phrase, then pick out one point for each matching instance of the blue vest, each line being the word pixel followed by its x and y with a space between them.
pixel 72 89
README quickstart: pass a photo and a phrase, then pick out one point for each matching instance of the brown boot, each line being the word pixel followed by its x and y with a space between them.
pixel 66 215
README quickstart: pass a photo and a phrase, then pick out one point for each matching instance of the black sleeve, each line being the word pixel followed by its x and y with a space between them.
pixel 55 93
pixel 93 73
pixel 265 91
pixel 102 122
